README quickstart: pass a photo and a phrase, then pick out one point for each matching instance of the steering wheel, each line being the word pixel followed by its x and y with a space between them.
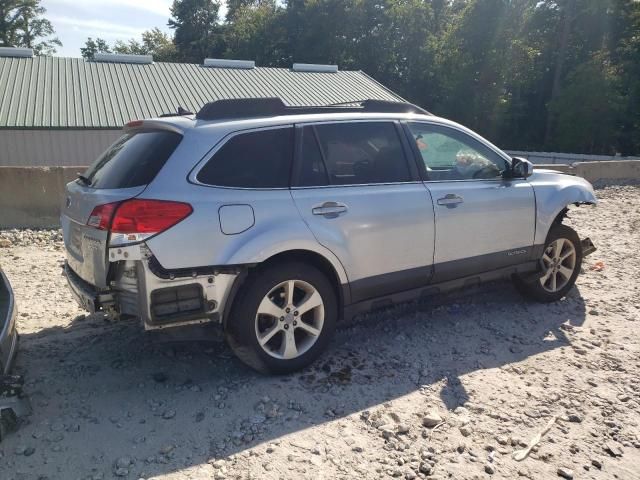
pixel 489 171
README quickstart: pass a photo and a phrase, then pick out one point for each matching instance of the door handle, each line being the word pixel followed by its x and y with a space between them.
pixel 329 209
pixel 450 199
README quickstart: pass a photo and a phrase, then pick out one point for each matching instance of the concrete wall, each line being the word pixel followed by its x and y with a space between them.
pixel 51 148
pixel 32 196
pixel 551 158
pixel 594 171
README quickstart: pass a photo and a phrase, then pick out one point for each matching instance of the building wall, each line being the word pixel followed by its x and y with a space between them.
pixel 35 148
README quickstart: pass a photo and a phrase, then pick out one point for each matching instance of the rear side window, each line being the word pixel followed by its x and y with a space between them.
pixel 134 160
pixel 353 153
pixel 260 159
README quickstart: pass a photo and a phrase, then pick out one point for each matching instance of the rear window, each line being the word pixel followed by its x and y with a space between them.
pixel 134 160
pixel 260 159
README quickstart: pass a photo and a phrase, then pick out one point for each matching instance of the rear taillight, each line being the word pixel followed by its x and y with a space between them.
pixel 137 219
pixel 148 216
pixel 101 216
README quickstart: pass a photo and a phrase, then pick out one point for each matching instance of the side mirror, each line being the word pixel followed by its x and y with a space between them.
pixel 521 168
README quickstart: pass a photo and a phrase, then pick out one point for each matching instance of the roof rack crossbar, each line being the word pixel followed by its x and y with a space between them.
pixel 267 107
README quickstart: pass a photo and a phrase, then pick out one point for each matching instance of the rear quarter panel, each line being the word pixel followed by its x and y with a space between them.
pixel 199 241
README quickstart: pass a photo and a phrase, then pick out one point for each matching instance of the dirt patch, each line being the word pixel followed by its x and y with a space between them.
pixel 446 389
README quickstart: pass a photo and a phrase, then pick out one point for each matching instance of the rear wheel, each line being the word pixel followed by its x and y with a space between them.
pixel 560 265
pixel 283 318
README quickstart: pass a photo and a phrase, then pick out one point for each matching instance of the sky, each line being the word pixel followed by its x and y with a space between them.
pixel 76 20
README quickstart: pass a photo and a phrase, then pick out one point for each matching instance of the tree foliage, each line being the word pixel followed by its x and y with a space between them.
pixel 154 42
pixel 91 47
pixel 528 74
pixel 198 33
pixel 22 24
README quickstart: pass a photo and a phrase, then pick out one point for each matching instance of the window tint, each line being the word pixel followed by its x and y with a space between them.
pixel 259 159
pixel 312 170
pixel 134 160
pixel 449 154
pixel 360 153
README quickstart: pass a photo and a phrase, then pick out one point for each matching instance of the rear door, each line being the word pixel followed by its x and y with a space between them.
pixel 362 199
pixel 122 172
pixel 483 221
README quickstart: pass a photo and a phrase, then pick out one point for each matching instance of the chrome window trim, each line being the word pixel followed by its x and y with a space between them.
pixel 350 185
pixel 193 175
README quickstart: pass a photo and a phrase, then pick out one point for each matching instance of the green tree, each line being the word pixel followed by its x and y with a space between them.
pixel 257 33
pixel 588 110
pixel 22 24
pixel 91 47
pixel 234 7
pixel 154 42
pixel 198 33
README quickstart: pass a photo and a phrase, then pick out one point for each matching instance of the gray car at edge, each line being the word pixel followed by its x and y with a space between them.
pixel 278 221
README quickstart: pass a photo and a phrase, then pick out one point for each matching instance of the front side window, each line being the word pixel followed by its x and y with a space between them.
pixel 259 159
pixel 352 154
pixel 449 154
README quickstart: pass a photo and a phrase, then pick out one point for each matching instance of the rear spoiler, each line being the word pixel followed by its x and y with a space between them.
pixel 175 124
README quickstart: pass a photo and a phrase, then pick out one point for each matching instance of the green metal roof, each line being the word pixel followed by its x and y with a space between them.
pixel 54 92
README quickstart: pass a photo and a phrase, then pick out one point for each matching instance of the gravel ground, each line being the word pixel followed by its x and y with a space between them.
pixel 445 389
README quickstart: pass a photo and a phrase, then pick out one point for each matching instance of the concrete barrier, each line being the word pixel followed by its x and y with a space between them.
pixel 594 171
pixel 32 196
pixel 610 170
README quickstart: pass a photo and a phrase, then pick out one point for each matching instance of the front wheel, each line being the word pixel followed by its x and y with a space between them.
pixel 283 318
pixel 560 265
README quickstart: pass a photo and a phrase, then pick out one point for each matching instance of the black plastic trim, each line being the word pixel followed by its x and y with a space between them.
pixel 464 267
pixel 426 291
pixel 389 283
pixel 267 107
pixel 159 271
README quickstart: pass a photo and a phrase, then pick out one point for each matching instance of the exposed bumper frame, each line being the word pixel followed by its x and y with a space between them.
pixel 87 297
pixel 587 247
pixel 131 294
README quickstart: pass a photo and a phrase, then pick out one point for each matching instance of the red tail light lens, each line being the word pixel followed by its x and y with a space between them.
pixel 148 216
pixel 139 216
pixel 101 216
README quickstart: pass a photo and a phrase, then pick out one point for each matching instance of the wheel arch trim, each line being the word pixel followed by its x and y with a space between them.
pixel 328 264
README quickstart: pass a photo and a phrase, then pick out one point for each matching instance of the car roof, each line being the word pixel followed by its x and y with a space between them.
pixel 254 112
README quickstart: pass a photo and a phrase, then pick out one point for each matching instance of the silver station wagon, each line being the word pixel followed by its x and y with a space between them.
pixel 278 221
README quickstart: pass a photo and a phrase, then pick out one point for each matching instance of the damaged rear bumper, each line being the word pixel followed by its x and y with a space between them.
pixel 139 287
pixel 8 331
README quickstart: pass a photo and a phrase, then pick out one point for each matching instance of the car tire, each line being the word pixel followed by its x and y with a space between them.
pixel 282 318
pixel 560 265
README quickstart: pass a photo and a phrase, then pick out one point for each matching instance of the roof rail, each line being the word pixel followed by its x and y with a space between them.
pixel 267 107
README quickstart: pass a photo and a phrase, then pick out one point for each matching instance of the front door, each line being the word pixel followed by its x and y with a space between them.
pixel 355 190
pixel 483 222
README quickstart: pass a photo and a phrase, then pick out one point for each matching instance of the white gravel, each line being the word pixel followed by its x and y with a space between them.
pixel 447 389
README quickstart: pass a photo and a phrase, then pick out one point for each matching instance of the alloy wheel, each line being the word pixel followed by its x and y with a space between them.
pixel 289 319
pixel 558 265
